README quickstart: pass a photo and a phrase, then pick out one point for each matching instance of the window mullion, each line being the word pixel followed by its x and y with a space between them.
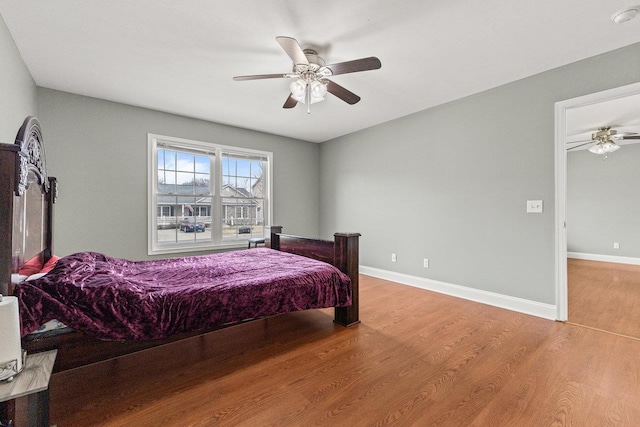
pixel 216 199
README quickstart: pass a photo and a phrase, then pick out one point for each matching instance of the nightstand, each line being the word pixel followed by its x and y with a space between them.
pixel 32 382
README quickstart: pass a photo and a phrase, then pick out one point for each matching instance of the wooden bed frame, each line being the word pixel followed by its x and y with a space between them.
pixel 27 196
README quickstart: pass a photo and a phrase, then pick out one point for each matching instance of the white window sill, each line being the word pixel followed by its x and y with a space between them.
pixel 236 244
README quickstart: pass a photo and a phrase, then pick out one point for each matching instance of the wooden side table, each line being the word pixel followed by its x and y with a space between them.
pixel 256 241
pixel 32 382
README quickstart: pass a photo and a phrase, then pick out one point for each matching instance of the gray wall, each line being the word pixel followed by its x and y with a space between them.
pixel 98 151
pixel 451 183
pixel 603 202
pixel 448 184
pixel 17 88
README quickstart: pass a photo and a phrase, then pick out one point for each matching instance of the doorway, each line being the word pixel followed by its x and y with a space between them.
pixel 565 112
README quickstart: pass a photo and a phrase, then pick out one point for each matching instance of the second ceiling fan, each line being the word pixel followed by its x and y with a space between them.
pixel 604 140
pixel 312 75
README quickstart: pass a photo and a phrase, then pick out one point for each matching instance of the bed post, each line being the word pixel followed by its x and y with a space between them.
pixel 8 153
pixel 51 199
pixel 274 242
pixel 346 259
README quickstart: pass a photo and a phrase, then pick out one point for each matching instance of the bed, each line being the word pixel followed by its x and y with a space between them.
pixel 26 231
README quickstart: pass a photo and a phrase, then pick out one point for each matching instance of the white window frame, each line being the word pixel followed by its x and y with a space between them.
pixel 154 247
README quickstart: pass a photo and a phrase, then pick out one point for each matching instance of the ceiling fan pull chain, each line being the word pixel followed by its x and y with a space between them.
pixel 308 96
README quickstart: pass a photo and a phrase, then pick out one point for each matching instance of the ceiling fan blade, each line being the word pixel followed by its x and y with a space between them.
pixel 265 76
pixel 290 102
pixel 293 49
pixel 364 64
pixel 342 93
pixel 625 137
pixel 581 140
pixel 581 145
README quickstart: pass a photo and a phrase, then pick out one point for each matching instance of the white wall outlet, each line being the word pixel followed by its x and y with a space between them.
pixel 425 263
pixel 534 206
pixel 394 258
pixel 616 245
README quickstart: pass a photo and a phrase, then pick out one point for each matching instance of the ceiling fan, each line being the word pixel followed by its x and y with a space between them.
pixel 604 140
pixel 312 75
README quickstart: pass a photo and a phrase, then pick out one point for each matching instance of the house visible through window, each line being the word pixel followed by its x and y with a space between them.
pixel 165 211
pixel 204 195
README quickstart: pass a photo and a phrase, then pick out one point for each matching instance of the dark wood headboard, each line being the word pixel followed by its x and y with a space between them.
pixel 26 197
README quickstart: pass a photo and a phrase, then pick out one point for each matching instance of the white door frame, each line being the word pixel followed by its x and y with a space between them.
pixel 561 108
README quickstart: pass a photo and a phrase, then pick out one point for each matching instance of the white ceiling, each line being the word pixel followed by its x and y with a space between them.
pixel 621 114
pixel 180 56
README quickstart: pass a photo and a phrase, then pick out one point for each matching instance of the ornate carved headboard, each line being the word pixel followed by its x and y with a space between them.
pixel 26 203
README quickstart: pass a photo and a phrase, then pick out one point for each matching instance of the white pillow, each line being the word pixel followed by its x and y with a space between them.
pixel 18 278
pixel 35 276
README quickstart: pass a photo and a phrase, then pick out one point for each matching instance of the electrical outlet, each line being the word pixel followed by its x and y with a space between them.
pixel 616 245
pixel 394 258
pixel 425 263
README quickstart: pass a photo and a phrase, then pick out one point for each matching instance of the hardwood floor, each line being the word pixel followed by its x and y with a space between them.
pixel 605 296
pixel 417 358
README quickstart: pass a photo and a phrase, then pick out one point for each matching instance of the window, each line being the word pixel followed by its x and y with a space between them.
pixel 205 196
pixel 165 211
pixel 202 210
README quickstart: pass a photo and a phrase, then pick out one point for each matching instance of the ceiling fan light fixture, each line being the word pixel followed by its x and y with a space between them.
pixel 318 91
pixel 298 90
pixel 604 147
pixel 610 146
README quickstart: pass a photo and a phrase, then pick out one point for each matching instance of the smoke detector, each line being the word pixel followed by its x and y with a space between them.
pixel 626 14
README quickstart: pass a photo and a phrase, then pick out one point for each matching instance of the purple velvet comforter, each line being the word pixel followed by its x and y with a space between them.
pixel 117 299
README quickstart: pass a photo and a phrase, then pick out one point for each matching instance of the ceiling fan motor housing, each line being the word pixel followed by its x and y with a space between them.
pixel 314 70
pixel 605 131
pixel 313 58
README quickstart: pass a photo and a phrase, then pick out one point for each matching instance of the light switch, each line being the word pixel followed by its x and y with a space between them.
pixel 534 206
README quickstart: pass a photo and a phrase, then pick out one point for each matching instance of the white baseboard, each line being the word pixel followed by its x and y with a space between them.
pixel 547 311
pixel 604 258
